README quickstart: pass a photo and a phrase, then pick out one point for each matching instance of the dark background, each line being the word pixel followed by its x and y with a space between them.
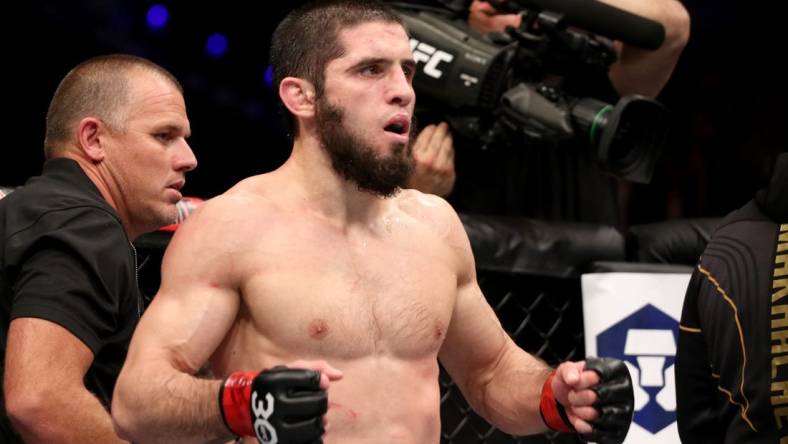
pixel 727 95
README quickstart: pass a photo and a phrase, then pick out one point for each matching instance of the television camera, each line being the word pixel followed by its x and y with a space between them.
pixel 508 87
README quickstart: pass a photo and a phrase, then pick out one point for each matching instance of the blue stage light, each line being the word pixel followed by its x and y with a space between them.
pixel 216 45
pixel 157 16
pixel 269 76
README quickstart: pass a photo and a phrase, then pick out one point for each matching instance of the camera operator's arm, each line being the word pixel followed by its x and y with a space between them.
pixel 433 156
pixel 637 71
pixel 641 71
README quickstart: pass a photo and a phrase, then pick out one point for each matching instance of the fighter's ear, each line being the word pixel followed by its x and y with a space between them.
pixel 91 133
pixel 298 95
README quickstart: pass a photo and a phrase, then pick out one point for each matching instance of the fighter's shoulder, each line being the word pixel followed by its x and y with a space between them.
pixel 239 209
pixel 244 200
pixel 430 210
pixel 441 224
pixel 417 203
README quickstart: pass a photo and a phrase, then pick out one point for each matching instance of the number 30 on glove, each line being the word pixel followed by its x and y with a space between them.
pixel 279 405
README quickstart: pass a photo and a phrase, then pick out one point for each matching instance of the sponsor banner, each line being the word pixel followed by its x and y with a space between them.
pixel 635 317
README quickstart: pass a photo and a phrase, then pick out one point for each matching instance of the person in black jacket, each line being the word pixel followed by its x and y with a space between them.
pixel 731 374
pixel 69 301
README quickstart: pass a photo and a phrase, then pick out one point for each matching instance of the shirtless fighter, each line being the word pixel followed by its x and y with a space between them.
pixel 326 266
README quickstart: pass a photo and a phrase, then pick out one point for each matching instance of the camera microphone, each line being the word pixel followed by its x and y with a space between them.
pixel 599 18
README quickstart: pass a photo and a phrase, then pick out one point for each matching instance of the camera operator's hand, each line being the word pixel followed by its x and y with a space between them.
pixel 433 155
pixel 483 17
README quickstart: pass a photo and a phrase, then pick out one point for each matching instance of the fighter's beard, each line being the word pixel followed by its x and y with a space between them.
pixel 356 161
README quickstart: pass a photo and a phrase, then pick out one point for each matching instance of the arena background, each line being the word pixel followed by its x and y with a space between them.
pixel 727 95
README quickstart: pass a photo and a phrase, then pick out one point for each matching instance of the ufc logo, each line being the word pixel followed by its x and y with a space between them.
pixel 423 52
pixel 262 411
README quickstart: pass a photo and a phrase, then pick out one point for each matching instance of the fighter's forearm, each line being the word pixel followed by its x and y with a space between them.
pixel 173 407
pixel 509 398
pixel 63 416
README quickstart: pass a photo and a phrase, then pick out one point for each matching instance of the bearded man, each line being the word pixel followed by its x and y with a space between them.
pixel 328 266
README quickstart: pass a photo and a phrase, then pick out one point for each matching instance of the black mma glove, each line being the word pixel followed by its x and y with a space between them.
pixel 615 401
pixel 279 405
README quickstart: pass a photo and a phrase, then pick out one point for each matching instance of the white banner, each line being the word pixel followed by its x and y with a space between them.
pixel 634 317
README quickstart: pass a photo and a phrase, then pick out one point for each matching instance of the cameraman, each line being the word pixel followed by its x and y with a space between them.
pixel 544 181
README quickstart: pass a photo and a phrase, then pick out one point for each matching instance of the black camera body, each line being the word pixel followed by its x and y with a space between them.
pixel 501 88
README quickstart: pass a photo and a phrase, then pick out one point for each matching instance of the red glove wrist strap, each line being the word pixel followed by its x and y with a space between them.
pixel 553 413
pixel 234 402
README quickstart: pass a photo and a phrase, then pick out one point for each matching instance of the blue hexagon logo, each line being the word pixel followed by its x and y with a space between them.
pixel 646 342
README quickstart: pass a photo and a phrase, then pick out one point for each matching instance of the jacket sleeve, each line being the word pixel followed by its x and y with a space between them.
pixel 696 386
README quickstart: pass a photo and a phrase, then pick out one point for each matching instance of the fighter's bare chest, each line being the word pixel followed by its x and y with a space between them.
pixel 356 301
